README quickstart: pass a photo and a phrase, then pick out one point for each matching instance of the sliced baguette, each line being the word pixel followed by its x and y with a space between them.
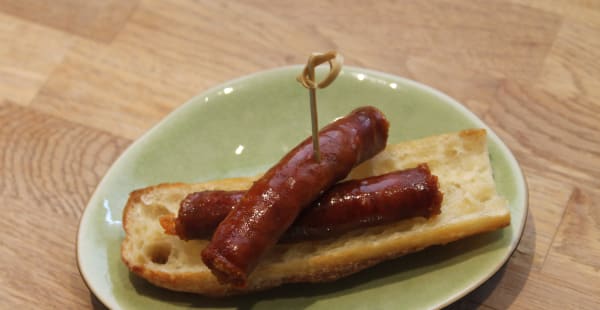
pixel 471 206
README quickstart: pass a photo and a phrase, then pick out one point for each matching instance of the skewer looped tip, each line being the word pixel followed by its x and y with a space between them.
pixel 307 79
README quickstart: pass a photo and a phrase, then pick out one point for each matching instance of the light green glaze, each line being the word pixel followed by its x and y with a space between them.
pixel 267 113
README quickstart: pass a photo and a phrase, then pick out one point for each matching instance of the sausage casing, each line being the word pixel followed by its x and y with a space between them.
pixel 345 206
pixel 201 212
pixel 274 201
pixel 372 201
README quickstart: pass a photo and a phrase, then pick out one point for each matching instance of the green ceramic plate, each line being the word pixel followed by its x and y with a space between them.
pixel 244 126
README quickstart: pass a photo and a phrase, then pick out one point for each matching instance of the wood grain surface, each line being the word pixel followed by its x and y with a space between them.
pixel 80 80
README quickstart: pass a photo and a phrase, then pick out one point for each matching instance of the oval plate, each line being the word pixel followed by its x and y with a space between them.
pixel 241 128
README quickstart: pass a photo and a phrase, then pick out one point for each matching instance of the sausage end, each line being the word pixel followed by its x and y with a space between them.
pixel 225 271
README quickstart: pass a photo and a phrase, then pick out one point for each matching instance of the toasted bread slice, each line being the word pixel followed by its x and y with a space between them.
pixel 471 206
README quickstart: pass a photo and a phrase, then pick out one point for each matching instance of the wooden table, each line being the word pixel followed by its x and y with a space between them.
pixel 80 80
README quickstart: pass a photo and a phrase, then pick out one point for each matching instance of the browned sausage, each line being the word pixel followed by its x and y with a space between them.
pixel 346 206
pixel 274 201
pixel 372 201
pixel 200 213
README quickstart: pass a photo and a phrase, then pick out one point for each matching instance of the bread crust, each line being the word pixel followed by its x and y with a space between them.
pixel 471 206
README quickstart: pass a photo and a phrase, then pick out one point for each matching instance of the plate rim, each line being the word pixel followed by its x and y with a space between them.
pixel 522 186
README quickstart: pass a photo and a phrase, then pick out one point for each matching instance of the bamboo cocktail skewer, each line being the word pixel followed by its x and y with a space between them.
pixel 307 79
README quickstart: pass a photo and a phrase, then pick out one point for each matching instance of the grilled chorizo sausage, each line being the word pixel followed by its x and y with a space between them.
pixel 200 213
pixel 372 201
pixel 274 201
pixel 344 207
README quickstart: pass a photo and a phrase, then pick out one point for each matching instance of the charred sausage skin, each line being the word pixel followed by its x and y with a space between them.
pixel 369 202
pixel 274 201
pixel 346 206
pixel 201 212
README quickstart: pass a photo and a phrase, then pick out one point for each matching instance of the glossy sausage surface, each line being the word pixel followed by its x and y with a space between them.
pixel 200 213
pixel 274 201
pixel 346 206
pixel 372 201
